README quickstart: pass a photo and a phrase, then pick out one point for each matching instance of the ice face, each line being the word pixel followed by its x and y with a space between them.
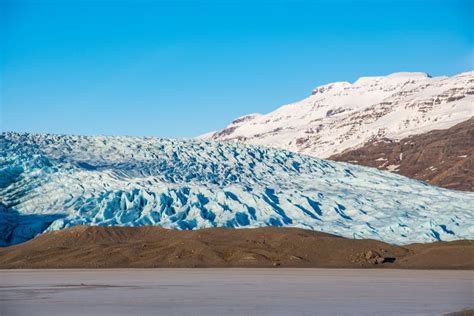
pixel 50 182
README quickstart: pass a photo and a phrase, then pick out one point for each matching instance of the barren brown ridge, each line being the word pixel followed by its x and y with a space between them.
pixel 153 247
pixel 440 157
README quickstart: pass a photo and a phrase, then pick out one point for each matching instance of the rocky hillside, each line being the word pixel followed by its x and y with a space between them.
pixel 440 157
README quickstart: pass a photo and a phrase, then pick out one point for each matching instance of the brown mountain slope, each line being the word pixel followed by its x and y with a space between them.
pixel 149 247
pixel 441 157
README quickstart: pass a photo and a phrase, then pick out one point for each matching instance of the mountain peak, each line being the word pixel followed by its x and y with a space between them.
pixel 414 75
pixel 341 116
pixel 393 77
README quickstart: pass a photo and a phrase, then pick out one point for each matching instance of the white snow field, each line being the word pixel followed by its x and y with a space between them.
pixel 50 182
pixel 341 116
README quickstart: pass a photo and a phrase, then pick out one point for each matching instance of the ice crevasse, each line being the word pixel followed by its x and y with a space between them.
pixel 50 182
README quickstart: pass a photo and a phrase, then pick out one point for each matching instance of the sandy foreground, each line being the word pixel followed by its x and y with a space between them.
pixel 235 292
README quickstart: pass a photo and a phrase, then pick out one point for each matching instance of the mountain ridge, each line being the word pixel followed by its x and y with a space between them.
pixel 155 247
pixel 340 116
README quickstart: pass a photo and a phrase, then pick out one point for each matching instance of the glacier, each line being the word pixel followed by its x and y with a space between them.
pixel 51 182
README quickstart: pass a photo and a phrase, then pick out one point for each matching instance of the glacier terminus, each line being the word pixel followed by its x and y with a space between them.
pixel 50 182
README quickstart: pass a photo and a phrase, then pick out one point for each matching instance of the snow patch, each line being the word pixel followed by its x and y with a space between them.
pixel 392 168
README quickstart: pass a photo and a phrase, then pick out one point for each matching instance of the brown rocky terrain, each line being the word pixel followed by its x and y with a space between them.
pixel 153 247
pixel 469 312
pixel 440 157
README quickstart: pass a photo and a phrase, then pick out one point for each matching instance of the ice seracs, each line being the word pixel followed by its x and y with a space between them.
pixel 340 116
pixel 52 182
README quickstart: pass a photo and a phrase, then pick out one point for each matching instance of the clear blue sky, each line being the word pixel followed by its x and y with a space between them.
pixel 182 68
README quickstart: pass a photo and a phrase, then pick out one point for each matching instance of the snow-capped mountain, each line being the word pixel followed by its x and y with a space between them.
pixel 341 116
pixel 50 182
